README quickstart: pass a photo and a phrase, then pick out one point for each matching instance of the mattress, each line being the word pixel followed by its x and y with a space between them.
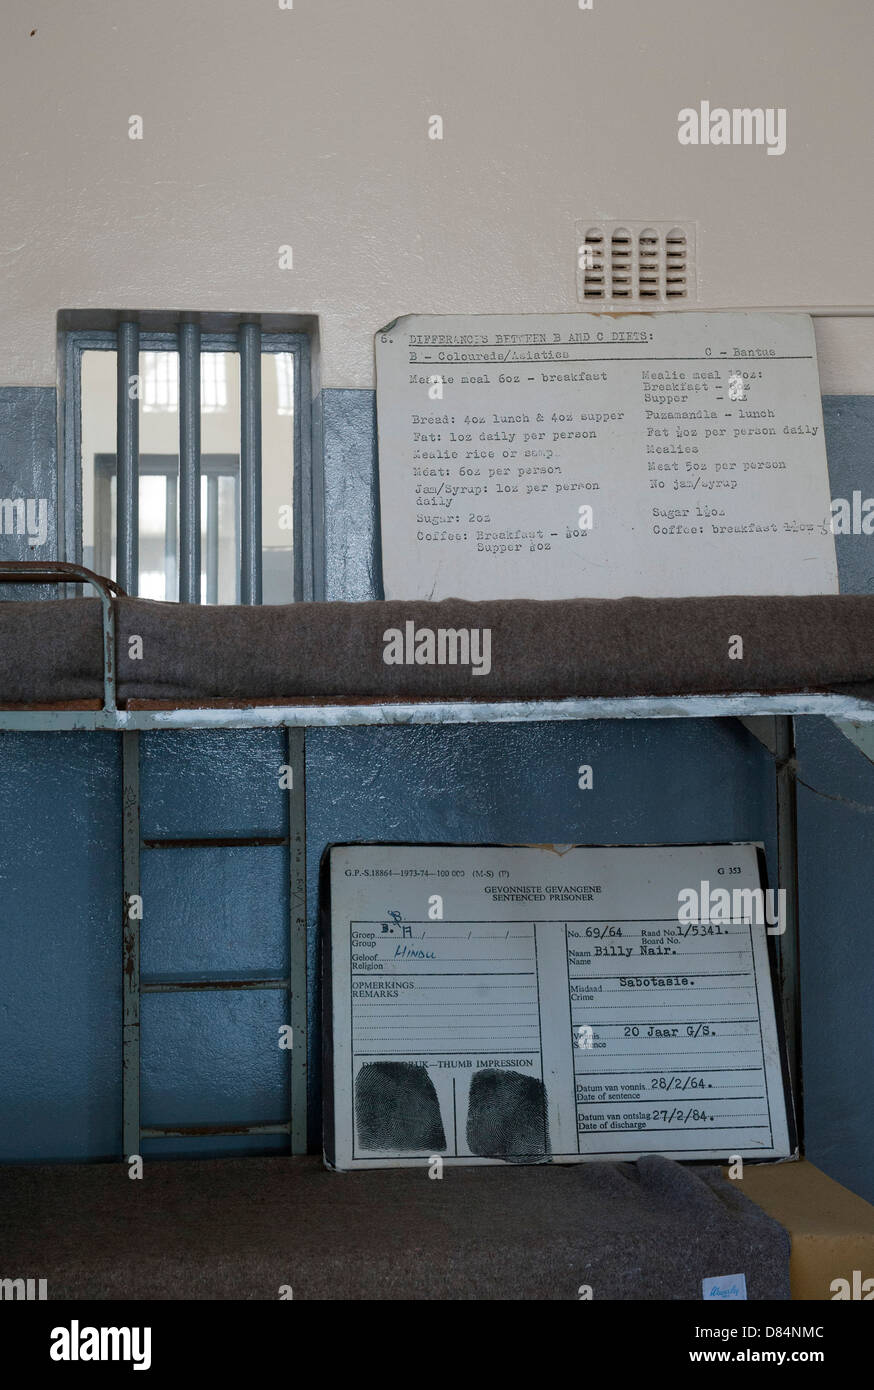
pixel 242 1228
pixel 51 650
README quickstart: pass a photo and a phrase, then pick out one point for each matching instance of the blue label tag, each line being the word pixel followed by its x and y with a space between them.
pixel 724 1286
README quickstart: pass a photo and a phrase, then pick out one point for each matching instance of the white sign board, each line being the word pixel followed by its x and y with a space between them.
pixel 565 1005
pixel 582 455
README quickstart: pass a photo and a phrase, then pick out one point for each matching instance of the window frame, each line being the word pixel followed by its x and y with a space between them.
pixel 308 564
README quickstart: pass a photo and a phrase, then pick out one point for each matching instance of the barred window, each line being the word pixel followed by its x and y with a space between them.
pixel 183 452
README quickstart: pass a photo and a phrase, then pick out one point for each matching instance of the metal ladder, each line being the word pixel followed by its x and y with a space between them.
pixel 133 1132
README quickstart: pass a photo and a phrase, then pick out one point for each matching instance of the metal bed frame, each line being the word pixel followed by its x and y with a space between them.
pixel 769 717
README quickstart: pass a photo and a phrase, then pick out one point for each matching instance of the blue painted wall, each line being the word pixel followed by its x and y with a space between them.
pixel 60 981
pixel 836 838
pixel 29 470
pixel 213 1058
pixel 657 781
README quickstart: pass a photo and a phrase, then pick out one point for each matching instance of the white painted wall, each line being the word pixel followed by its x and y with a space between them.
pixel 308 127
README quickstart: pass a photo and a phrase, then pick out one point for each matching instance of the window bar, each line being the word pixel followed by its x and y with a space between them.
pixel 250 463
pixel 235 504
pixel 212 537
pixel 189 463
pixel 170 525
pixel 127 458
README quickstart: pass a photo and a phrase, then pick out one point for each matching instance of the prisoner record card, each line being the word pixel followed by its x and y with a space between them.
pixel 585 455
pixel 513 1004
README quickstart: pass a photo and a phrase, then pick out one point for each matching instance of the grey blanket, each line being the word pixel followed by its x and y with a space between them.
pixel 242 1228
pixel 51 650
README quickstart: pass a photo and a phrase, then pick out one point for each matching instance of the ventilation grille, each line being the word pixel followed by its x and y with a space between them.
pixel 635 263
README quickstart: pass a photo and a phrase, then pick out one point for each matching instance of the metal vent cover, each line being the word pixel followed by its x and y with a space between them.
pixel 636 264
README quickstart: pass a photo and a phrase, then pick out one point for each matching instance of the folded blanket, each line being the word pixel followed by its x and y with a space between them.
pixel 242 1228
pixel 513 649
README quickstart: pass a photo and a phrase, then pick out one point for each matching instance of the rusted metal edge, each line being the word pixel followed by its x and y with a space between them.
pixel 55 572
pixel 178 986
pixel 210 1131
pixel 131 916
pixel 222 842
pixel 297 939
pixel 62 572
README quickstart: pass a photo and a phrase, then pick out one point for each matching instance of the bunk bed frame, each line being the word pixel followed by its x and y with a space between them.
pixel 770 717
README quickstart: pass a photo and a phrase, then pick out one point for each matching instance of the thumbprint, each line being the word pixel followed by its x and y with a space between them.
pixel 506 1115
pixel 396 1108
